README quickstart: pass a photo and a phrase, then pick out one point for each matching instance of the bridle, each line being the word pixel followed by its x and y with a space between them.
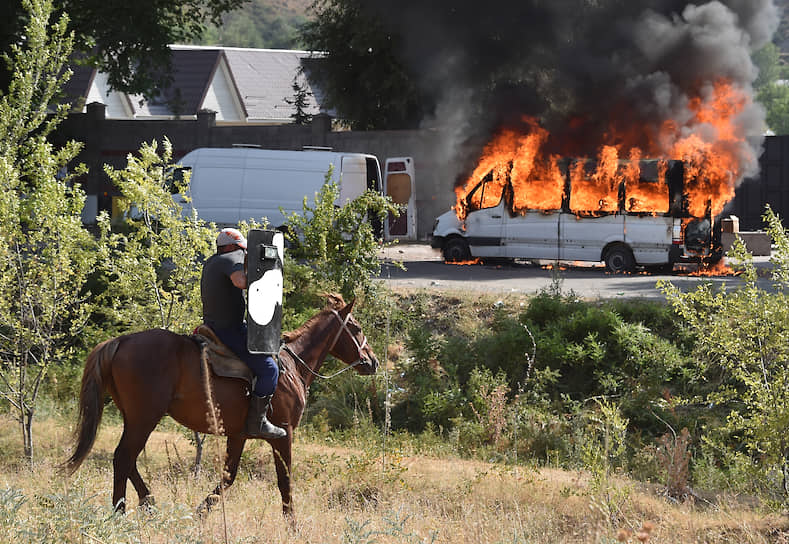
pixel 343 327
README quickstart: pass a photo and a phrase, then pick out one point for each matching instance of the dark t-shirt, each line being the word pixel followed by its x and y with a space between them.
pixel 223 302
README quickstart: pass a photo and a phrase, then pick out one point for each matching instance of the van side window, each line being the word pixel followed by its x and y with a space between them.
pixel 648 192
pixel 593 191
pixel 485 195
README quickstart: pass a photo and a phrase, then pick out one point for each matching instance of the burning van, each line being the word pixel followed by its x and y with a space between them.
pixel 626 213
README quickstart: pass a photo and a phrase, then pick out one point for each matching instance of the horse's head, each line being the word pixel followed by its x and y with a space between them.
pixel 349 343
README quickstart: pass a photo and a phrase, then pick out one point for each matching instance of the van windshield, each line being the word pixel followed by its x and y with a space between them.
pixel 487 194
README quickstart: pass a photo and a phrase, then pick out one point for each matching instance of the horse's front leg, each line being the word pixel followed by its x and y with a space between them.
pixel 282 462
pixel 235 445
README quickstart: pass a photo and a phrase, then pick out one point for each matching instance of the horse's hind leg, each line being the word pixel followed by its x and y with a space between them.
pixel 139 485
pixel 124 464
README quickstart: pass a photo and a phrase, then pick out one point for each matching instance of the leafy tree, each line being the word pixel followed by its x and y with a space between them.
pixel 775 98
pixel 260 23
pixel 743 335
pixel 152 261
pixel 127 40
pixel 768 61
pixel 770 90
pixel 340 243
pixel 45 254
pixel 360 73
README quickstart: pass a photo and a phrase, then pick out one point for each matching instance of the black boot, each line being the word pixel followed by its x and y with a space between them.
pixel 258 425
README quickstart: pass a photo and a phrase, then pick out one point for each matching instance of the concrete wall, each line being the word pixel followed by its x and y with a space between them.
pixel 109 141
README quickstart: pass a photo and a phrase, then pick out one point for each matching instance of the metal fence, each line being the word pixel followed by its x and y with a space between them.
pixel 771 187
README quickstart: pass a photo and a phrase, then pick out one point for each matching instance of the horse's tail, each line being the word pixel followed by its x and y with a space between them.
pixel 91 401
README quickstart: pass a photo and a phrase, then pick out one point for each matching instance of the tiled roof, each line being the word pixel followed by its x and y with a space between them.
pixel 192 73
pixel 76 88
pixel 263 79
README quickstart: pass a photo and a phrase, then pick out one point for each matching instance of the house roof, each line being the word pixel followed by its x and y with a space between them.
pixel 265 80
pixel 78 85
pixel 193 70
pixel 249 85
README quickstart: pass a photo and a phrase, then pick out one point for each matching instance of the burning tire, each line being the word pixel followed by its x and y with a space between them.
pixel 456 249
pixel 619 259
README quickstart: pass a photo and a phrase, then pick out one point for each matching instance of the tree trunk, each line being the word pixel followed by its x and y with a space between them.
pixel 199 440
pixel 27 434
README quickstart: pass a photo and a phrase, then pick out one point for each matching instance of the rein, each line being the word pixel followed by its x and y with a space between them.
pixel 343 327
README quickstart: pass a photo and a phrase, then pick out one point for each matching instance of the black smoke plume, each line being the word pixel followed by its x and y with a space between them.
pixel 590 70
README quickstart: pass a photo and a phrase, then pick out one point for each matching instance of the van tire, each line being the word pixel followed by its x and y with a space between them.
pixel 456 249
pixel 619 259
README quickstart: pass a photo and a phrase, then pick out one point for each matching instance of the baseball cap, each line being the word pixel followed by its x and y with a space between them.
pixel 230 236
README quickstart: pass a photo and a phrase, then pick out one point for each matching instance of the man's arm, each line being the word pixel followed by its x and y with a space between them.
pixel 239 279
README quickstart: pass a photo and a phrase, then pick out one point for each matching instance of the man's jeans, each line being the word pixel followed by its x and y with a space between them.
pixel 264 367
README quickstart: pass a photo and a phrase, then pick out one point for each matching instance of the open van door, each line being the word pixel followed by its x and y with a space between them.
pixel 399 185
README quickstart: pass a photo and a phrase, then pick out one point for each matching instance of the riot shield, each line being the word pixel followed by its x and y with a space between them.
pixel 264 290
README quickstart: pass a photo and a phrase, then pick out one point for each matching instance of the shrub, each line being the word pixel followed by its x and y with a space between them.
pixel 340 243
pixel 742 335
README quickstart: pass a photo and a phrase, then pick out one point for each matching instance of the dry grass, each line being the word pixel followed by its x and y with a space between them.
pixel 341 495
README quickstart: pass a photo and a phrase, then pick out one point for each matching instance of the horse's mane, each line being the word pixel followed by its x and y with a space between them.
pixel 334 302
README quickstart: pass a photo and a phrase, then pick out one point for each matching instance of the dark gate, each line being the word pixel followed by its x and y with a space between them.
pixel 771 187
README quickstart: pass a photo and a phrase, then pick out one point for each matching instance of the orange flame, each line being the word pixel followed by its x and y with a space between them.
pixel 717 269
pixel 710 143
pixel 464 263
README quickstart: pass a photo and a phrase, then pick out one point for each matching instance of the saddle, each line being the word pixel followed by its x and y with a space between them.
pixel 221 359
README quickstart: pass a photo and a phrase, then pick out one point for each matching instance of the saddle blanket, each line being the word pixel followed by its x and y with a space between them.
pixel 221 359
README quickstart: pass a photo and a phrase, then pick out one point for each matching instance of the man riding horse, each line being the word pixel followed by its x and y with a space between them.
pixel 222 284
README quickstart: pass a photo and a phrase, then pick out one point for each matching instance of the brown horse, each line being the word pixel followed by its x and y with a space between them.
pixel 157 372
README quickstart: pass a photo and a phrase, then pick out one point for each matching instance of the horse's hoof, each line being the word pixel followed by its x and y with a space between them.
pixel 207 504
pixel 148 504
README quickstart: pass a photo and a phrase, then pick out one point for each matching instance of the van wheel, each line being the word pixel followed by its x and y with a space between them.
pixel 618 259
pixel 456 249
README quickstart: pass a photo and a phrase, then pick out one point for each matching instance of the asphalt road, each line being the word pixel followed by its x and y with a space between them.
pixel 425 269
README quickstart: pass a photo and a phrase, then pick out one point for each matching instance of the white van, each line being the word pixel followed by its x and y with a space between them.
pixel 229 185
pixel 620 238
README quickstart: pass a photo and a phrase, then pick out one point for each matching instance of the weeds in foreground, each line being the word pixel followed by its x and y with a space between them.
pixel 673 456
pixel 76 516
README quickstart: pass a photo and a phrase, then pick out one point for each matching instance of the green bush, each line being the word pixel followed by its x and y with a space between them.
pixel 339 243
